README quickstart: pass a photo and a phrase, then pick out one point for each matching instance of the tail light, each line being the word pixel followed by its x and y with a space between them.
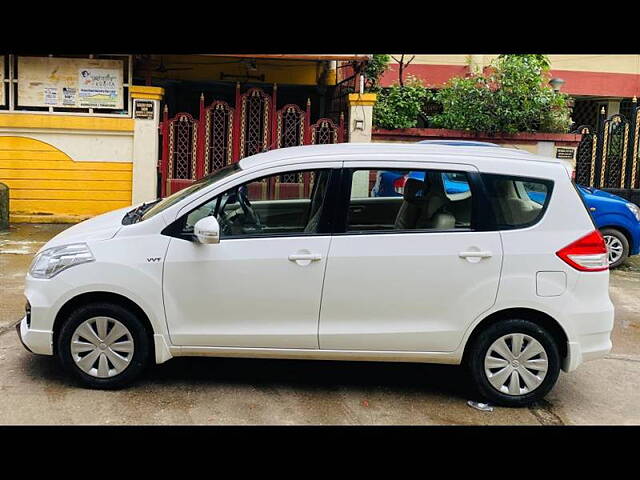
pixel 587 254
pixel 399 183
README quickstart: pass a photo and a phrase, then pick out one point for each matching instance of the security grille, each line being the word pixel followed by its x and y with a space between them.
pixel 183 145
pixel 218 140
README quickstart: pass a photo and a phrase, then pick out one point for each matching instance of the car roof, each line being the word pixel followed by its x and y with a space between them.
pixel 445 153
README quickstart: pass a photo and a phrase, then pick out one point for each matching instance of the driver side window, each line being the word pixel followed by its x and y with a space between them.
pixel 268 205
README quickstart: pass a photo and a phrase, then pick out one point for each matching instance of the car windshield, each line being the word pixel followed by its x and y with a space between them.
pixel 198 185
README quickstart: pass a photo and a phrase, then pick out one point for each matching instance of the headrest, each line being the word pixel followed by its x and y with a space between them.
pixel 413 190
pixel 436 185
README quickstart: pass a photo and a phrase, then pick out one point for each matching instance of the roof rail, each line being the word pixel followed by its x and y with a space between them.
pixel 460 143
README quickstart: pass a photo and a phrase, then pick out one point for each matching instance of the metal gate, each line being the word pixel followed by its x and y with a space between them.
pixel 222 134
pixel 609 158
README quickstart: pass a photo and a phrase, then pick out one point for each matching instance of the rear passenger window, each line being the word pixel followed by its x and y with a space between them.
pixel 392 200
pixel 517 202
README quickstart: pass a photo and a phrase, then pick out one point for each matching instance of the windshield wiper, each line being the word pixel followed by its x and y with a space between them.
pixel 133 216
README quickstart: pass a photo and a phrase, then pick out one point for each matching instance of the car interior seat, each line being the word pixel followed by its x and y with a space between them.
pixel 423 204
pixel 515 210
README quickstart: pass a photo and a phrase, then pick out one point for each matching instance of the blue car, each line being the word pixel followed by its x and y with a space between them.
pixel 617 219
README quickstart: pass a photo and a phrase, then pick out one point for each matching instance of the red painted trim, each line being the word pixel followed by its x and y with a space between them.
pixel 603 84
pixel 416 134
pixel 431 75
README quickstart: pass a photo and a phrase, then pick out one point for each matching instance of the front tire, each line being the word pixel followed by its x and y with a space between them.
pixel 617 246
pixel 514 363
pixel 103 345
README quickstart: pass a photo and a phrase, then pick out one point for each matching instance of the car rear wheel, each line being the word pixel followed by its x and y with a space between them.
pixel 617 246
pixel 103 345
pixel 514 362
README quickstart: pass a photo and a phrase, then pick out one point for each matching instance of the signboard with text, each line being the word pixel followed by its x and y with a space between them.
pixel 565 153
pixel 143 110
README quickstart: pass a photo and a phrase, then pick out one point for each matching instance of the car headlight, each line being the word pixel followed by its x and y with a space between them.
pixel 54 260
pixel 634 209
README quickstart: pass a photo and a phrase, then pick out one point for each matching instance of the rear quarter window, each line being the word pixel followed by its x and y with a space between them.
pixel 516 202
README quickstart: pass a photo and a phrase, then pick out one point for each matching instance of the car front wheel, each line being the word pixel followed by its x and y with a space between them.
pixel 617 246
pixel 514 362
pixel 103 345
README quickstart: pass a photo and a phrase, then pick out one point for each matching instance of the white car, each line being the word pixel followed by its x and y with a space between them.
pixel 285 254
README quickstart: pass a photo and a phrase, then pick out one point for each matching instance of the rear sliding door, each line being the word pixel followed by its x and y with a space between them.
pixel 407 270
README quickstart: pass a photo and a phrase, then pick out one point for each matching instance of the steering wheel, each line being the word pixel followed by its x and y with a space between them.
pixel 226 225
pixel 247 209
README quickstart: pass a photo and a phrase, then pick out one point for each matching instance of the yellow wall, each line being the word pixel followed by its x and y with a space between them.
pixel 45 182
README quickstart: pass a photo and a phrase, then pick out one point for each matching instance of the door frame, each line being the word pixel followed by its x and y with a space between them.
pixel 174 229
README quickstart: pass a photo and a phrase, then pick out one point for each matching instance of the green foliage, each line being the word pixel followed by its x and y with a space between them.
pixel 374 70
pixel 399 107
pixel 514 96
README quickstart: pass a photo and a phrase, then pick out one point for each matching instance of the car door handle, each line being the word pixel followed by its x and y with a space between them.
pixel 478 254
pixel 311 257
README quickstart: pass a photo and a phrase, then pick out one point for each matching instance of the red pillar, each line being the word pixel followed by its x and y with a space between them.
pixel 306 136
pixel 164 162
pixel 199 153
pixel 235 156
pixel 274 121
pixel 341 128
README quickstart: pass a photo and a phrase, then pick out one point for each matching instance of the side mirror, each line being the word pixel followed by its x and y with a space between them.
pixel 207 230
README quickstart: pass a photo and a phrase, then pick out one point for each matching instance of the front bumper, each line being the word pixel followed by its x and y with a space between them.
pixel 634 248
pixel 35 341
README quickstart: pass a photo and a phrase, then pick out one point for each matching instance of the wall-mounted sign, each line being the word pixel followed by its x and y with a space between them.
pixel 98 88
pixel 144 109
pixel 565 153
pixel 70 82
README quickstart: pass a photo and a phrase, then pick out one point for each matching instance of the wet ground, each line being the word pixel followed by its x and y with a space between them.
pixel 34 389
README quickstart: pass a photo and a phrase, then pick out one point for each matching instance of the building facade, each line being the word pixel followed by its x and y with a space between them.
pixel 600 84
pixel 84 134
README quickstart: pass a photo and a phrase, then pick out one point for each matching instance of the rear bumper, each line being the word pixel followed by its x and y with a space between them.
pixel 35 341
pixel 597 347
pixel 592 340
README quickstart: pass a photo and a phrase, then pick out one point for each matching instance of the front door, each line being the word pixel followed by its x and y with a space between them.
pixel 261 285
pixel 413 279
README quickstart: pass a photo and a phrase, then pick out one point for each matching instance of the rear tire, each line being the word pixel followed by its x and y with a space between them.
pixel 616 240
pixel 505 378
pixel 110 349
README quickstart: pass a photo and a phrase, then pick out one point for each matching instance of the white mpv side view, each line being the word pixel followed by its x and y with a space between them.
pixel 482 256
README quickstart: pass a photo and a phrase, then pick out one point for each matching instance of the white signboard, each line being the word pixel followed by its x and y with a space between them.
pixel 70 82
pixel 98 87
